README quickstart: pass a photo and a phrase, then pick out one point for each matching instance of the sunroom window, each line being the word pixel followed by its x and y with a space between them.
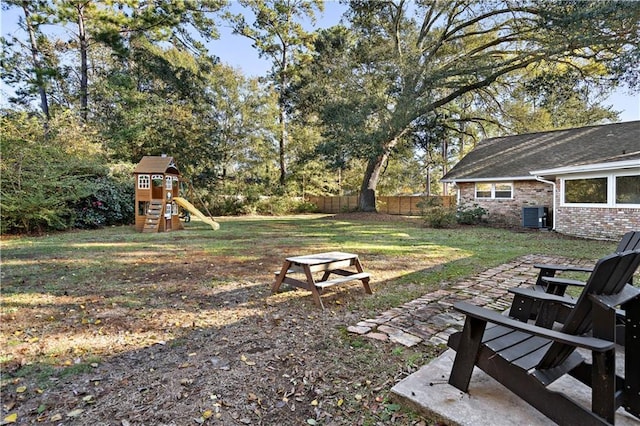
pixel 608 190
pixel 586 191
pixel 628 189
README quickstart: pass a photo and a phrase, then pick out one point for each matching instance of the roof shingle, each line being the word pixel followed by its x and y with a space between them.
pixel 515 156
pixel 156 164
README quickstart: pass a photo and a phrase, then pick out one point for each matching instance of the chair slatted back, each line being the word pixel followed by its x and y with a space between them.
pixel 609 276
pixel 629 241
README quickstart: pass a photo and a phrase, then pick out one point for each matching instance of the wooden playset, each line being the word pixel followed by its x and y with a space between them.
pixel 158 196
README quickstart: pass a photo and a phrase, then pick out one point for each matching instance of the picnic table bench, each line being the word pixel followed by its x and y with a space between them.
pixel 334 262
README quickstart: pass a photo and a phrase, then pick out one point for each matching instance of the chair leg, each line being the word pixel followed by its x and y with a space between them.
pixel 631 364
pixel 603 385
pixel 467 353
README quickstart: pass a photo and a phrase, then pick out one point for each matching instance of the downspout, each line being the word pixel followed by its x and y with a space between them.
pixel 539 179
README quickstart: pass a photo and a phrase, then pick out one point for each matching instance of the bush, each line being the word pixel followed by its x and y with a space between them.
pixel 281 205
pixel 470 215
pixel 111 203
pixel 435 214
pixel 272 206
pixel 440 217
pixel 221 205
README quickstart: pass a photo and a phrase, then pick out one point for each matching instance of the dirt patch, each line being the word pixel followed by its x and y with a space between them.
pixel 197 339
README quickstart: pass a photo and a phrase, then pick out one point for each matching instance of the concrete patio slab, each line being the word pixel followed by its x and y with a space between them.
pixel 487 402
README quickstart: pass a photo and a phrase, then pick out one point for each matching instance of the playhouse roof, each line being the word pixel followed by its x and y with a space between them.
pixel 156 164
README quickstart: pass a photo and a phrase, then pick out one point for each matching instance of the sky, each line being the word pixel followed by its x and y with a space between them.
pixel 237 51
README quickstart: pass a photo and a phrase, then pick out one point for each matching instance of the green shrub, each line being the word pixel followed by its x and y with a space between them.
pixel 305 207
pixel 470 215
pixel 279 205
pixel 228 206
pixel 440 217
pixel 111 203
pixel 435 214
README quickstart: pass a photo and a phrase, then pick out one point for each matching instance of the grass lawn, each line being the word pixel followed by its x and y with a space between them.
pixel 112 326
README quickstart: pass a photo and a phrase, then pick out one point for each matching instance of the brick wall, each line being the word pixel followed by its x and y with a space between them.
pixel 597 222
pixel 509 212
pixel 588 222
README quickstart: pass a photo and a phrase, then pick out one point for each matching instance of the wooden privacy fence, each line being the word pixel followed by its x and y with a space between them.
pixel 400 205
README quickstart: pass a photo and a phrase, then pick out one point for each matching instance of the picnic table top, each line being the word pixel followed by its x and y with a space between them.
pixel 320 258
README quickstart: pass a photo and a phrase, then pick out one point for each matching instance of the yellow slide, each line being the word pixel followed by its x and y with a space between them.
pixel 187 205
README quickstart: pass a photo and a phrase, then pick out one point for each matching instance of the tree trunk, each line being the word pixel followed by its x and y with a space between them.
pixel 84 68
pixel 367 201
pixel 44 102
pixel 283 144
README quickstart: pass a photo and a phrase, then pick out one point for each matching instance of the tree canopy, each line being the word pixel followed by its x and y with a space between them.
pixel 385 101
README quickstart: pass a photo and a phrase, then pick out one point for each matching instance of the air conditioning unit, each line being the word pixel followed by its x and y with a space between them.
pixel 535 216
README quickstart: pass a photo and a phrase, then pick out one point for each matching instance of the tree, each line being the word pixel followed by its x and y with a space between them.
pixel 405 67
pixel 45 175
pixel 35 15
pixel 277 35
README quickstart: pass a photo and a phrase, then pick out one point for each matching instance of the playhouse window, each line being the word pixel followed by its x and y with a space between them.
pixel 143 208
pixel 174 209
pixel 157 180
pixel 144 182
pixel 168 183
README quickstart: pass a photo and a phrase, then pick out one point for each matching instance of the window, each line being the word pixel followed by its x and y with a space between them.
pixel 586 191
pixel 494 190
pixel 143 208
pixel 610 190
pixel 628 189
pixel 144 182
pixel 483 190
pixel 157 180
pixel 168 183
pixel 503 190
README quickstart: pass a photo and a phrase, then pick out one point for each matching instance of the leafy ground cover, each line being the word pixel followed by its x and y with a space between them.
pixel 116 327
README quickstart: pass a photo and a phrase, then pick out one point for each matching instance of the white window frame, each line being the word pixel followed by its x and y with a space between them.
pixel 144 182
pixel 168 183
pixel 611 189
pixel 493 191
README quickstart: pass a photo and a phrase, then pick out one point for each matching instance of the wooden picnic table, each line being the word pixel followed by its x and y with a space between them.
pixel 329 263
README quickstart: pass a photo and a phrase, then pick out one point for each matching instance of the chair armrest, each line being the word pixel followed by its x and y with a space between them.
pixel 562 268
pixel 627 294
pixel 563 281
pixel 591 343
pixel 541 296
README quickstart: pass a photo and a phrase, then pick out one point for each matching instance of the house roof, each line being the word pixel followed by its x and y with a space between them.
pixel 514 157
pixel 155 164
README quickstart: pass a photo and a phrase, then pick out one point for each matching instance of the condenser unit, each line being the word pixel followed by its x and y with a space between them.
pixel 535 216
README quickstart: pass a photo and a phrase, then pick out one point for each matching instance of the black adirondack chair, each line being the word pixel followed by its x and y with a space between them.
pixel 546 301
pixel 546 281
pixel 527 358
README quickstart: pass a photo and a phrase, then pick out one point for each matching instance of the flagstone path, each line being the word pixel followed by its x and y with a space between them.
pixel 430 319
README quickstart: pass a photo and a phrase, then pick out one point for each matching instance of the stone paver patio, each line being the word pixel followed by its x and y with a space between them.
pixel 430 319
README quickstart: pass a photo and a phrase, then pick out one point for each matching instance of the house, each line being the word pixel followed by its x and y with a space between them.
pixel 157 188
pixel 583 182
